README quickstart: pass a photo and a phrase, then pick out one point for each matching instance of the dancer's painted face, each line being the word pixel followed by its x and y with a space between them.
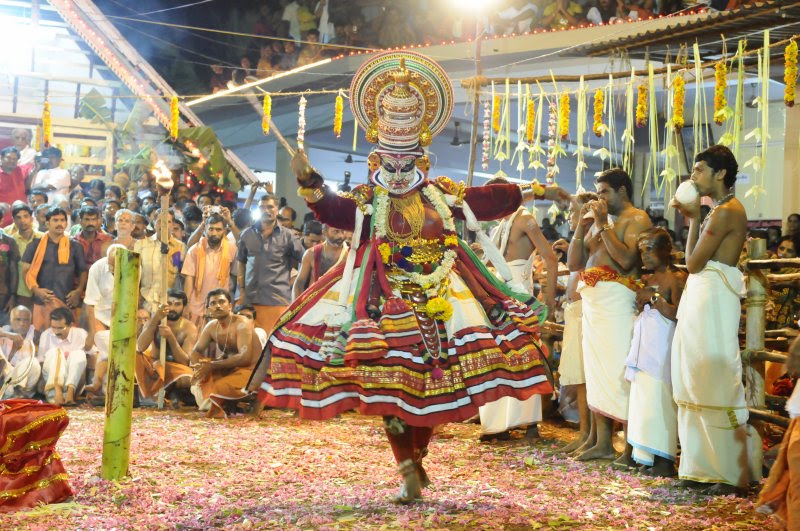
pixel 398 172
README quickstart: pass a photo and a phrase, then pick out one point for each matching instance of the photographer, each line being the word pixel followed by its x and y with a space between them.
pixel 51 176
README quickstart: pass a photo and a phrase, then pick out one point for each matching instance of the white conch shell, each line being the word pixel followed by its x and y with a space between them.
pixel 686 193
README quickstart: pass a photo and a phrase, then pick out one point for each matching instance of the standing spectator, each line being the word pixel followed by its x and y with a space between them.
pixel 150 251
pixel 110 209
pixel 62 352
pixel 91 237
pixel 12 182
pixel 54 269
pixel 208 266
pixel 718 448
pixel 287 217
pixel 605 11
pixel 290 14
pixel 326 28
pixel 289 56
pixel 267 254
pixel 52 177
pixel 9 275
pixel 23 236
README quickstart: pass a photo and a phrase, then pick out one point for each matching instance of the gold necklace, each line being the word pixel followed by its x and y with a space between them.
pixel 718 204
pixel 227 334
pixel 412 211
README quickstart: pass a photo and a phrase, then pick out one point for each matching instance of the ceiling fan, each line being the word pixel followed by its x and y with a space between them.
pixel 349 159
pixel 457 141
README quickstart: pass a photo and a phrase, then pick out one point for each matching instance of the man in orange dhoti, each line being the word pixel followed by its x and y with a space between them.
pixel 781 493
pixel 220 378
pixel 180 335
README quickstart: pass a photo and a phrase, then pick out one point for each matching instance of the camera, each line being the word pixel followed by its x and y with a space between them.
pixel 215 209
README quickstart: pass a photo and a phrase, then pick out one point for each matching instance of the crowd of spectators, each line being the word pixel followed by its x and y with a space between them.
pixel 306 31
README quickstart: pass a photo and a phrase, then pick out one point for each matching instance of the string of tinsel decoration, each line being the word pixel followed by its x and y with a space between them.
pixel 563 115
pixel 47 125
pixel 267 114
pixel 301 122
pixel 790 73
pixel 678 97
pixel 641 106
pixel 530 121
pixel 551 144
pixel 174 116
pixel 721 83
pixel 338 109
pixel 496 104
pixel 598 126
pixel 486 131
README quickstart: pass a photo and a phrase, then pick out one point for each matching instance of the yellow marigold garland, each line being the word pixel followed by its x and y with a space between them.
pixel 386 252
pixel 530 121
pixel 174 115
pixel 720 76
pixel 497 103
pixel 598 126
pixel 451 240
pixel 267 113
pixel 563 116
pixel 47 125
pixel 338 108
pixel 790 74
pixel 641 105
pixel 678 96
pixel 439 308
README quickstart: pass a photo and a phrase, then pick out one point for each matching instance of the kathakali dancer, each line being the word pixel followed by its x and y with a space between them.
pixel 412 326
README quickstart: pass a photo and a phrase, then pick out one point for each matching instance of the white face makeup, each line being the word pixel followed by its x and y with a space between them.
pixel 398 173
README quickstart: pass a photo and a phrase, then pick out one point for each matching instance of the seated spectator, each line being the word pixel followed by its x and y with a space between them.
pixel 110 209
pixel 394 29
pixel 54 269
pixel 249 311
pixel 561 14
pixel 219 79
pixel 606 12
pixel 793 226
pixel 264 65
pixel 288 57
pixel 96 189
pixel 63 357
pixel 783 309
pixel 75 198
pixel 180 335
pixel 668 7
pixel 9 275
pixel 243 74
pixel 113 192
pixel 517 17
pixel 18 352
pixel 218 381
pixel 310 52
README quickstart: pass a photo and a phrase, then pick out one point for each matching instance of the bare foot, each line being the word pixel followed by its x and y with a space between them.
pixel 689 484
pixel 532 433
pixel 723 489
pixel 69 400
pixel 411 489
pixel 59 397
pixel 574 445
pixel 624 461
pixel 662 468
pixel 597 452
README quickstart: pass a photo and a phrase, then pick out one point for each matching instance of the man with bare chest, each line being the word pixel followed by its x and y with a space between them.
pixel 719 449
pixel 219 378
pixel 180 335
pixel 319 259
pixel 516 237
pixel 608 253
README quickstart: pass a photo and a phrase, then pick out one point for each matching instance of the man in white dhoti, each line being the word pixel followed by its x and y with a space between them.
pixel 570 368
pixel 21 370
pixel 718 447
pixel 516 237
pixel 63 356
pixel 609 257
pixel 652 414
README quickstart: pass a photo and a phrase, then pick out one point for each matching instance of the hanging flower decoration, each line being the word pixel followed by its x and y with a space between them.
pixel 721 83
pixel 301 122
pixel 338 109
pixel 678 96
pixel 563 115
pixel 486 133
pixel 530 121
pixel 174 116
pixel 267 113
pixel 47 125
pixel 598 127
pixel 641 106
pixel 496 104
pixel 790 73
pixel 551 145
